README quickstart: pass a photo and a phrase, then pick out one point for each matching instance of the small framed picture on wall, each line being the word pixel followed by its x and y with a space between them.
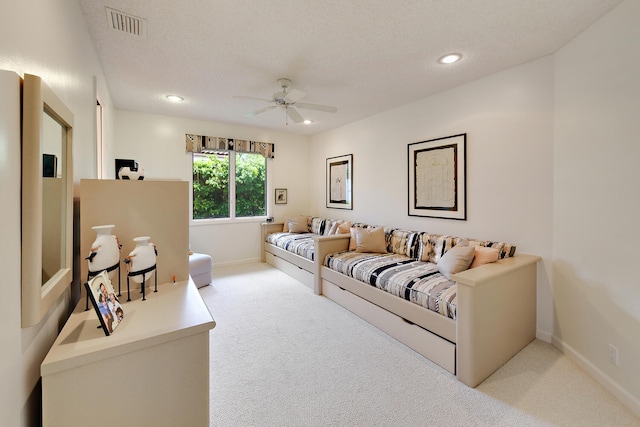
pixel 281 196
pixel 339 182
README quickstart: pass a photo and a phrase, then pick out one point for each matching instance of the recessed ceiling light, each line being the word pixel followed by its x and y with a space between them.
pixel 450 58
pixel 175 98
pixel 308 122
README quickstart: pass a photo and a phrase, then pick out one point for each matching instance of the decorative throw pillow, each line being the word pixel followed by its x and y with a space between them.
pixel 298 224
pixel 285 227
pixel 371 240
pixel 328 231
pixel 484 256
pixel 344 228
pixel 352 240
pixel 455 260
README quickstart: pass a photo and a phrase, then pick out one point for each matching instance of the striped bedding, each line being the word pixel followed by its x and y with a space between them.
pixel 416 281
pixel 297 243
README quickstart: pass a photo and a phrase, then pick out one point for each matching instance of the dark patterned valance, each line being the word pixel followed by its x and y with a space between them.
pixel 202 144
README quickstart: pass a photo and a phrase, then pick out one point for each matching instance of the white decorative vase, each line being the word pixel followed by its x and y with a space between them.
pixel 142 257
pixel 105 250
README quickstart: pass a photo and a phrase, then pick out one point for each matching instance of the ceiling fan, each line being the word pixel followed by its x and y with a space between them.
pixel 287 100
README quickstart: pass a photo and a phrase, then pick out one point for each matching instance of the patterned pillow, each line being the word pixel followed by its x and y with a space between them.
pixel 433 246
pixel 402 242
pixel 317 225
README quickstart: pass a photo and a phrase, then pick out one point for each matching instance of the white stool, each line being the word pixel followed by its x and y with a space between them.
pixel 200 266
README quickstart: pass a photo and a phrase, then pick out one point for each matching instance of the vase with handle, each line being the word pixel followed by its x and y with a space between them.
pixel 105 251
pixel 141 261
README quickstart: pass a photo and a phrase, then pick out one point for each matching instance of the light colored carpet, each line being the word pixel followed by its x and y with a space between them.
pixel 283 356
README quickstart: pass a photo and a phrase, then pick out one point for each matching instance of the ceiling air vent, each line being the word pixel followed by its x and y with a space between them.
pixel 126 23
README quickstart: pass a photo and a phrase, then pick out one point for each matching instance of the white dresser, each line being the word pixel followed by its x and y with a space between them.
pixel 152 371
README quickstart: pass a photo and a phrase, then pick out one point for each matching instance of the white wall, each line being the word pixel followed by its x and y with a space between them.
pixel 49 39
pixel 158 144
pixel 508 119
pixel 596 204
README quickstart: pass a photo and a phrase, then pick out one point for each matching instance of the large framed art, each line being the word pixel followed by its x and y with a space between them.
pixel 437 178
pixel 340 182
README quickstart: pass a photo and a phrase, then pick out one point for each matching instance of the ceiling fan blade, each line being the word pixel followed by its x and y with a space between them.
pixel 293 95
pixel 253 98
pixel 317 107
pixel 294 115
pixel 259 111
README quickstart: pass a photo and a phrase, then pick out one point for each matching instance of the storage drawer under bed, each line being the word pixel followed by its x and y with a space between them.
pixel 292 270
pixel 433 347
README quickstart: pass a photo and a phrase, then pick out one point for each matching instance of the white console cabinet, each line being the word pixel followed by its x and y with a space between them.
pixel 152 371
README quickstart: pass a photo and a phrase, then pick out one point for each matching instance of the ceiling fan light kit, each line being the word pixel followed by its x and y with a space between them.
pixel 287 100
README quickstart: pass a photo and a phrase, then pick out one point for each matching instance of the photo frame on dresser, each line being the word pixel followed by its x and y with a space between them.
pixel 105 302
pixel 437 178
pixel 340 182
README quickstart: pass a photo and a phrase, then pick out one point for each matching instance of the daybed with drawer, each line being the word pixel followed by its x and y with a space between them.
pixel 470 323
pixel 292 251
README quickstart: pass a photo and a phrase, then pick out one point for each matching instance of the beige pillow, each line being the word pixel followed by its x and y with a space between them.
pixel 484 255
pixel 455 260
pixel 352 240
pixel 344 228
pixel 298 224
pixel 285 227
pixel 371 240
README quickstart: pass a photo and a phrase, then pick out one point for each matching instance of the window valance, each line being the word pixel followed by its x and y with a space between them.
pixel 203 143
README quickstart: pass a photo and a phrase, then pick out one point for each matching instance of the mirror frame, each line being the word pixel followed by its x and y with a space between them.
pixel 39 298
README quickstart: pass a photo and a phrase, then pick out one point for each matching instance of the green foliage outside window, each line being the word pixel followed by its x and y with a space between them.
pixel 250 185
pixel 211 185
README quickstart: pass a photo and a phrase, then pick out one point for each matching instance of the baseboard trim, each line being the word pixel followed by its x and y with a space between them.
pixel 544 336
pixel 606 381
pixel 236 262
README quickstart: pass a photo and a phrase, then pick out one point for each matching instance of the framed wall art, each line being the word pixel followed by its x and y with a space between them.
pixel 340 182
pixel 437 178
pixel 281 196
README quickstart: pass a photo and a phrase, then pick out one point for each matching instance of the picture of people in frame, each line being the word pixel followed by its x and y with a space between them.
pixel 105 302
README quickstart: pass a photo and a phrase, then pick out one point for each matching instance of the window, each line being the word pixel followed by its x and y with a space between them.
pixel 216 196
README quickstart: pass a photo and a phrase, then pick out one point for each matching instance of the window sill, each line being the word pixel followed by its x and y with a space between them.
pixel 226 221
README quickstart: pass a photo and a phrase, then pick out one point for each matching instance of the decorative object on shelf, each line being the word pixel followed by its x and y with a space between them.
pixel 340 182
pixel 437 178
pixel 105 302
pixel 141 264
pixel 281 196
pixel 104 255
pixel 131 173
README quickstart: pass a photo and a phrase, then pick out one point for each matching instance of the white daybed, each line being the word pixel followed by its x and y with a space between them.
pixel 495 315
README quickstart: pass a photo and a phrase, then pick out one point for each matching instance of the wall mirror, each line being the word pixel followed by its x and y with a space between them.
pixel 47 199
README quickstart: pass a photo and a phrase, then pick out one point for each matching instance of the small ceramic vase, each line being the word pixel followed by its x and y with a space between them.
pixel 143 256
pixel 105 250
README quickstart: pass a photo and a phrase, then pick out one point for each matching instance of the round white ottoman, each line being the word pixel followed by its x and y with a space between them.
pixel 200 266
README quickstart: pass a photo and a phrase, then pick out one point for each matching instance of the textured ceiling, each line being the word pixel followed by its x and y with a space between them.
pixel 362 56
